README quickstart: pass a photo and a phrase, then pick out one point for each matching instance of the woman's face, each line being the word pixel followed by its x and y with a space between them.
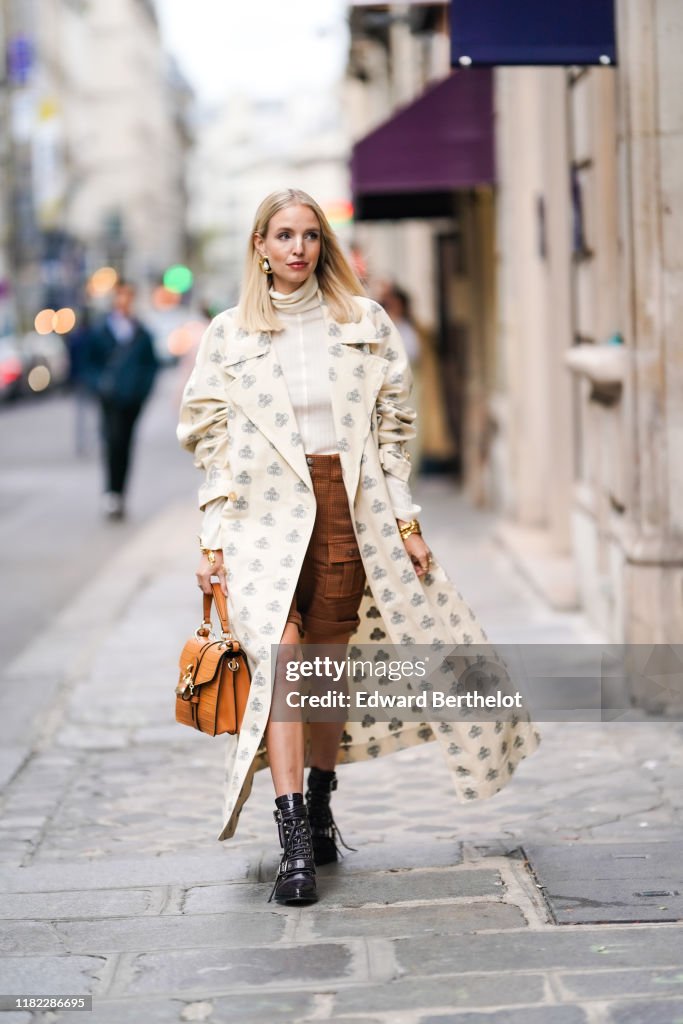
pixel 292 245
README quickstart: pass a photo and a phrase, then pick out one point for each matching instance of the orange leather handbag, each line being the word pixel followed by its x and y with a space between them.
pixel 213 688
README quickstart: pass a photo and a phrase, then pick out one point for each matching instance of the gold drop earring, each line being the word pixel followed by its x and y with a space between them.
pixel 264 264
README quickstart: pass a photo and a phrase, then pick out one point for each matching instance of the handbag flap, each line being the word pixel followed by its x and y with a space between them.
pixel 200 659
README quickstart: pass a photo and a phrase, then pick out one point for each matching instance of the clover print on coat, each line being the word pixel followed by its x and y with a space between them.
pixel 262 459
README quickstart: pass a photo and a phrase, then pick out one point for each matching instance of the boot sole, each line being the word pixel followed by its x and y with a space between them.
pixel 297 897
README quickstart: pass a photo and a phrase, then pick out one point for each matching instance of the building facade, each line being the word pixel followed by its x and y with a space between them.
pixel 130 203
pixel 247 148
pixel 442 256
pixel 396 52
pixel 590 290
pixel 559 295
pixel 95 147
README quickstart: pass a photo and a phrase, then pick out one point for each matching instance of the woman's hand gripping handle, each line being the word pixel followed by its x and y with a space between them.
pixel 211 564
pixel 417 549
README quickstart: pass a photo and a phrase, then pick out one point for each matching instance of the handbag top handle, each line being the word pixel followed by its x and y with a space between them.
pixel 218 597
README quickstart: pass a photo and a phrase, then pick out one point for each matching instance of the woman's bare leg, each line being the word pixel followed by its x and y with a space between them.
pixel 325 740
pixel 325 736
pixel 285 740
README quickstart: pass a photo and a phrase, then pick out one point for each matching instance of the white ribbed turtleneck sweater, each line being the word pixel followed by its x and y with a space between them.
pixel 301 349
pixel 302 352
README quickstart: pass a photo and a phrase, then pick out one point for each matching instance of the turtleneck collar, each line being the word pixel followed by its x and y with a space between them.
pixel 304 298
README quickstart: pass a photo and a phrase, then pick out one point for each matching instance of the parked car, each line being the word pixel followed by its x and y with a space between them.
pixel 46 361
pixel 11 368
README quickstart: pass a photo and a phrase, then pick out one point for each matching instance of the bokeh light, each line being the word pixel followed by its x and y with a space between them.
pixel 183 338
pixel 44 321
pixel 162 298
pixel 10 370
pixel 64 320
pixel 339 212
pixel 38 378
pixel 178 279
pixel 102 281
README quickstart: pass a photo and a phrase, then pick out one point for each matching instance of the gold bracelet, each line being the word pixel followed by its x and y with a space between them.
pixel 412 527
pixel 209 552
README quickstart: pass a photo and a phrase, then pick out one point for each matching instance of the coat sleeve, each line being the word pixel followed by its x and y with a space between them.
pixel 210 535
pixel 93 358
pixel 203 423
pixel 395 415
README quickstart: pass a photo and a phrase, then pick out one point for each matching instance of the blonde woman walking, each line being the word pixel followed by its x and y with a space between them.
pixel 297 413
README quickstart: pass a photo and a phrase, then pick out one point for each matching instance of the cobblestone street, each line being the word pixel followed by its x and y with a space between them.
pixel 113 884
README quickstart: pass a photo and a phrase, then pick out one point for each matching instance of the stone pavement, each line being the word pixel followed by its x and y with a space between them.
pixel 112 882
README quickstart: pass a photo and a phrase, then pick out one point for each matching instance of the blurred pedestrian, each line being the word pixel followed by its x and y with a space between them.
pixel 397 303
pixel 120 365
pixel 297 413
pixel 77 346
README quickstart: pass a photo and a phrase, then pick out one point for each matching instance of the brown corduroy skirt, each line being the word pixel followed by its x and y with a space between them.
pixel 330 587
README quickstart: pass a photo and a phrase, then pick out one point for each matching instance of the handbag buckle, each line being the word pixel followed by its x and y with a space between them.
pixel 186 683
pixel 186 692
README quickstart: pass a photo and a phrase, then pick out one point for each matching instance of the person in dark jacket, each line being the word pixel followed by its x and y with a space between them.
pixel 120 367
pixel 77 345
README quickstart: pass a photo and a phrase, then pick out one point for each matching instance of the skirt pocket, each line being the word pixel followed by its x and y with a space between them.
pixel 345 573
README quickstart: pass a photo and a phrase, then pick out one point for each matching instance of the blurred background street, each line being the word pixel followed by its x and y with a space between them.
pixel 506 180
pixel 55 539
pixel 506 184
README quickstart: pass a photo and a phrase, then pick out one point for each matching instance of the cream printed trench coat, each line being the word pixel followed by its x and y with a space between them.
pixel 237 418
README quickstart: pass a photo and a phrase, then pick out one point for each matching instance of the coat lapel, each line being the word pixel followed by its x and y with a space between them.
pixel 355 375
pixel 260 390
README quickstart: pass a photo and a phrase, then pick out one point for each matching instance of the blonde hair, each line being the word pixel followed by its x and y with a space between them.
pixel 336 278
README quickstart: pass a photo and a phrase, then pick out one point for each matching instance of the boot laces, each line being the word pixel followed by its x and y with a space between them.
pixel 322 820
pixel 297 838
pixel 296 844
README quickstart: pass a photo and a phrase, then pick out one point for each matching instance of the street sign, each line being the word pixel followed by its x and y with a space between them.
pixel 532 32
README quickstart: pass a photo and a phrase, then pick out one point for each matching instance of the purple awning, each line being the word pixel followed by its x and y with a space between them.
pixel 443 141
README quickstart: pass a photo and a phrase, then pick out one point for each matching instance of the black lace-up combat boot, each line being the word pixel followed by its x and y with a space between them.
pixel 295 882
pixel 324 831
